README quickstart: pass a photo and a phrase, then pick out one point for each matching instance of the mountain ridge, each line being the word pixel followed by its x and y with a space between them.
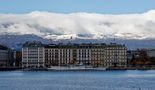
pixel 16 41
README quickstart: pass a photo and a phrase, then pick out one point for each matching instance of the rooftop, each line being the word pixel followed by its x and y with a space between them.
pixel 3 47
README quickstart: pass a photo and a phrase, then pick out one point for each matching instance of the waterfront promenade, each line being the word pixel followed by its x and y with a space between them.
pixel 76 68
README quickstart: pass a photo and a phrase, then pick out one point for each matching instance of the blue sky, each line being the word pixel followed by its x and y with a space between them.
pixel 70 6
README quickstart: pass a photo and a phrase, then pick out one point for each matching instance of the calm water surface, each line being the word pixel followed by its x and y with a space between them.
pixel 77 80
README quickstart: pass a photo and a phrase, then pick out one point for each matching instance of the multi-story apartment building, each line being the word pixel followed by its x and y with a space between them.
pixel 33 55
pixel 115 55
pixel 5 56
pixel 58 55
pixel 83 54
pixel 97 55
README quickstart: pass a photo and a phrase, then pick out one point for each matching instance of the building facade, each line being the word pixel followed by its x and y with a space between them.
pixel 58 55
pixel 83 54
pixel 115 55
pixel 150 52
pixel 96 55
pixel 5 56
pixel 33 55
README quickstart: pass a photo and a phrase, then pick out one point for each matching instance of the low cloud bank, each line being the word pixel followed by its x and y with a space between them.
pixel 80 25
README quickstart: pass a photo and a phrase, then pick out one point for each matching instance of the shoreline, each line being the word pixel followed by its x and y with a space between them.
pixel 76 69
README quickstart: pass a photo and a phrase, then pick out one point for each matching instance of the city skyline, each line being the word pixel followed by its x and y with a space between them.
pixel 77 44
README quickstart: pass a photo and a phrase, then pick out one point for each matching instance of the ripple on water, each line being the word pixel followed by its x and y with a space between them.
pixel 79 80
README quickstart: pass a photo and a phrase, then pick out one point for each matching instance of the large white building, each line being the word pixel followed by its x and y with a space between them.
pixel 58 55
pixel 33 55
pixel 96 55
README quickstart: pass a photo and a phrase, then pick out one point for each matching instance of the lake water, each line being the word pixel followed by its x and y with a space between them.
pixel 77 80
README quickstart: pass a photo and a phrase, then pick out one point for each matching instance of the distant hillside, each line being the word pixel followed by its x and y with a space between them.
pixel 16 41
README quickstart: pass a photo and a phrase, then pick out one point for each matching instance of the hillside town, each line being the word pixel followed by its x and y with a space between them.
pixel 35 55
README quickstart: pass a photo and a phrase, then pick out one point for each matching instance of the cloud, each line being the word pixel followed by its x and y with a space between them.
pixel 80 25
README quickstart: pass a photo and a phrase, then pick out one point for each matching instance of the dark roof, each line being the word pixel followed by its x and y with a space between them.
pixel 82 45
pixel 33 44
pixel 3 47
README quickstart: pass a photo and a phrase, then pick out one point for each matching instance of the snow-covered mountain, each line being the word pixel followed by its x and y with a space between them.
pixel 16 41
pixel 135 30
